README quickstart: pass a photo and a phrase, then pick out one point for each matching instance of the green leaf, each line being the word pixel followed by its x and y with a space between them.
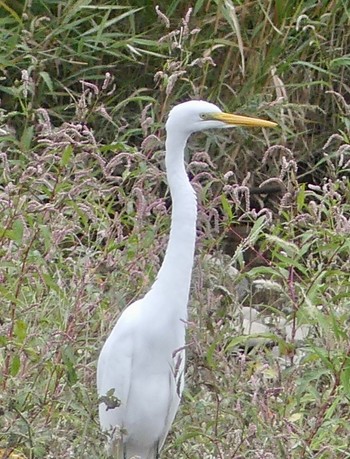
pixel 257 228
pixel 66 155
pixel 301 197
pixel 10 10
pixel 46 77
pixel 345 376
pixel 323 355
pixel 27 138
pixel 15 365
pixel 47 236
pixel 7 294
pixel 110 22
pixel 69 363
pixel 51 283
pixel 290 248
pixel 16 232
pixel 343 61
pixel 210 355
pixel 267 270
pixel 244 339
pixel 226 207
pixel 312 66
pixel 20 330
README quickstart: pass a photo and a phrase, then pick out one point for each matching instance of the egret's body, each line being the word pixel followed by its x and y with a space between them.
pixel 143 358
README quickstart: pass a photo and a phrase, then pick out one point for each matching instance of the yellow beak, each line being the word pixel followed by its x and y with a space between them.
pixel 237 120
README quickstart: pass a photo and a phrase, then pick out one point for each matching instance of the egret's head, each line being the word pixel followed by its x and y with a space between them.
pixel 198 115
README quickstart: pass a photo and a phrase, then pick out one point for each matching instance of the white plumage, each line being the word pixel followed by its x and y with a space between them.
pixel 143 357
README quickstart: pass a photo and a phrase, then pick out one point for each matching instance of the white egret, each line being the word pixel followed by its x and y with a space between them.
pixel 142 361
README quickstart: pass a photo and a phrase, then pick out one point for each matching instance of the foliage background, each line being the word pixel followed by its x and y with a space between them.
pixel 85 89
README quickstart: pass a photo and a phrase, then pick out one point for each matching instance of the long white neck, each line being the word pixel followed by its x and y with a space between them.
pixel 174 278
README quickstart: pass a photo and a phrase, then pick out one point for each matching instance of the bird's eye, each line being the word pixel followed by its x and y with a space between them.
pixel 204 116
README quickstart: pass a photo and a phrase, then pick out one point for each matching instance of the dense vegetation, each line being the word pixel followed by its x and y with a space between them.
pixel 85 89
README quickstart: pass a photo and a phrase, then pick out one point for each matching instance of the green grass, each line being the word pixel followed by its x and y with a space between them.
pixel 85 217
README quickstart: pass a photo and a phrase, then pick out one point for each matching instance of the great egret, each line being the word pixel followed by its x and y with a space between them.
pixel 142 361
